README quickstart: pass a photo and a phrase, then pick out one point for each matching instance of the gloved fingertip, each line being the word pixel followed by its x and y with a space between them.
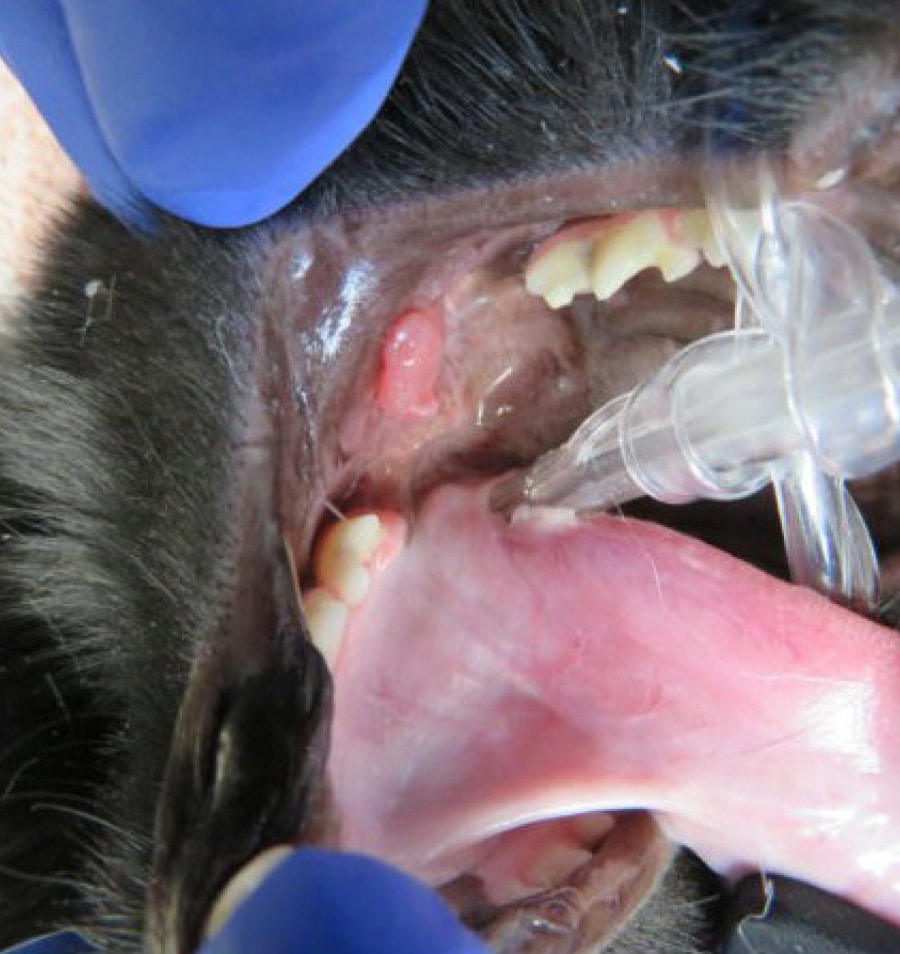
pixel 342 903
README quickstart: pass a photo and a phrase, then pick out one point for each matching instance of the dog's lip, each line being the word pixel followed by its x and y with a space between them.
pixel 551 198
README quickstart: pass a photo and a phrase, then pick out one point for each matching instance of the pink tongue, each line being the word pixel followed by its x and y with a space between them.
pixel 499 675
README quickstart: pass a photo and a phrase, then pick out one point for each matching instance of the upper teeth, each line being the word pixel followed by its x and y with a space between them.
pixel 674 241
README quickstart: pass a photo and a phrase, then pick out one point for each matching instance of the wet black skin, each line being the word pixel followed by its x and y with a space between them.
pixel 154 446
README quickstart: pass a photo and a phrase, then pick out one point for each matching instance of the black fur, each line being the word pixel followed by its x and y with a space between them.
pixel 117 418
pixel 126 409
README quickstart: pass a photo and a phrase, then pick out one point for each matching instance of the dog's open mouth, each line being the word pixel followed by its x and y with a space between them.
pixel 526 714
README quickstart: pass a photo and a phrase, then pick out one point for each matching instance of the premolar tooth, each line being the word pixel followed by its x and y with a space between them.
pixel 624 252
pixel 694 227
pixel 326 619
pixel 712 251
pixel 677 263
pixel 560 273
pixel 674 241
pixel 698 232
pixel 342 554
pixel 242 885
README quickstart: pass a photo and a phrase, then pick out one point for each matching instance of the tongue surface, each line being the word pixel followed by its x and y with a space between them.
pixel 499 675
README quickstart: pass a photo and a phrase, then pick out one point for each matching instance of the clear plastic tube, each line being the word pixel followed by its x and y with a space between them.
pixel 804 393
pixel 714 419
pixel 677 436
pixel 827 543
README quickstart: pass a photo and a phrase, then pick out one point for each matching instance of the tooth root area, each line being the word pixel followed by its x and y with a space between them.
pixel 343 553
pixel 675 242
pixel 326 618
pixel 242 885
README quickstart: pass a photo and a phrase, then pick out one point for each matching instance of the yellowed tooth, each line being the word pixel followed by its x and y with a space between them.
pixel 340 559
pixel 713 253
pixel 698 233
pixel 694 227
pixel 744 229
pixel 557 863
pixel 242 885
pixel 363 535
pixel 560 273
pixel 625 251
pixel 326 618
pixel 353 584
pixel 676 263
pixel 675 242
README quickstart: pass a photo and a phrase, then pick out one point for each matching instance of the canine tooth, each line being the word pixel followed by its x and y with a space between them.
pixel 342 554
pixel 242 885
pixel 326 619
pixel 559 274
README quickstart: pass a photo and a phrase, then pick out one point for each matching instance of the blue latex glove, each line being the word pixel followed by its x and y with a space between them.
pixel 220 111
pixel 63 942
pixel 324 902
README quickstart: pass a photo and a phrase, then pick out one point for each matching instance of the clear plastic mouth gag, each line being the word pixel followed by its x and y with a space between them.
pixel 804 392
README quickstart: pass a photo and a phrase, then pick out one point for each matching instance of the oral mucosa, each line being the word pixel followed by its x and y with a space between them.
pixel 531 708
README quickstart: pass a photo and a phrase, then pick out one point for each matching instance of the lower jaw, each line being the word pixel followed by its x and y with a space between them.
pixel 612 665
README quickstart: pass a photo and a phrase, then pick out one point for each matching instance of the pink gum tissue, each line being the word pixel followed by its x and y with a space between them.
pixel 410 365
